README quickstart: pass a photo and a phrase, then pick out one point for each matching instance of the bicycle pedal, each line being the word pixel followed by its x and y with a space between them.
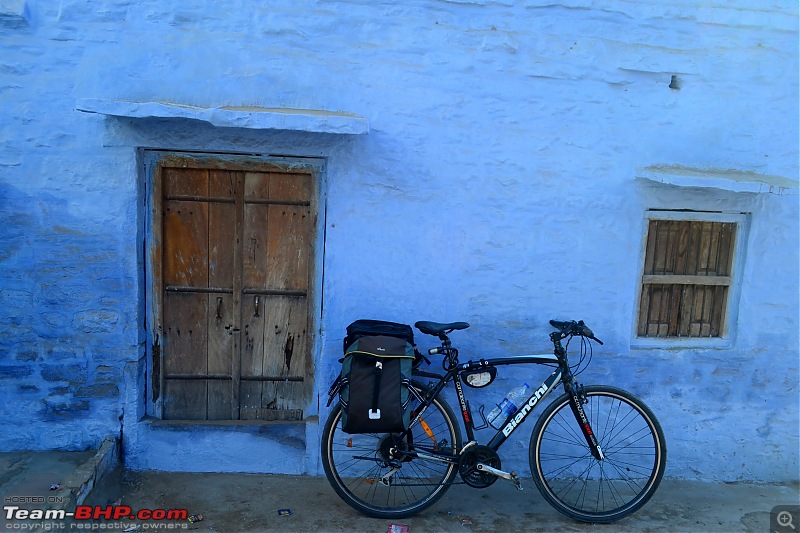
pixel 386 479
pixel 516 481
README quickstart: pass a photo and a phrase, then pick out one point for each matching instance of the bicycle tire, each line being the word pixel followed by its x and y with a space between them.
pixel 578 485
pixel 418 483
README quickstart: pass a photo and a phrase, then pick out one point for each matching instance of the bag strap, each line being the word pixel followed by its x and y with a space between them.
pixel 337 385
pixel 378 355
pixel 375 413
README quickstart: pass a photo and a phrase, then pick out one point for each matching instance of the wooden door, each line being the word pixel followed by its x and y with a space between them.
pixel 236 262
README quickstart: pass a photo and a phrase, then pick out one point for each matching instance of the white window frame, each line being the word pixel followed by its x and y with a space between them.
pixel 728 337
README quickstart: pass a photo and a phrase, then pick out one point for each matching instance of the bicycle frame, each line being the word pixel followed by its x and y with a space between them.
pixel 400 473
pixel 562 373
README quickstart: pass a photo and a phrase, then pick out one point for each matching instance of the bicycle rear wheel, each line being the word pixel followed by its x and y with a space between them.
pixel 373 473
pixel 578 485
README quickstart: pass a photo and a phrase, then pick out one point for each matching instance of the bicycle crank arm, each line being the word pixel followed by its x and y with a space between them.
pixel 499 473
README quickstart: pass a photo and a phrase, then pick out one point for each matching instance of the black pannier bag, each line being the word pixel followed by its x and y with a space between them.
pixel 364 327
pixel 374 389
pixel 373 385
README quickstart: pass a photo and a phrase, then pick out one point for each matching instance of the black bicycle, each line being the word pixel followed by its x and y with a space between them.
pixel 597 453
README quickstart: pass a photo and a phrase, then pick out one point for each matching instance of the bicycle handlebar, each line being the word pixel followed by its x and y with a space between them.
pixel 565 328
pixel 575 328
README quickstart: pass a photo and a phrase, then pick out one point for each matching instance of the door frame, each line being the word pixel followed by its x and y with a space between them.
pixel 153 160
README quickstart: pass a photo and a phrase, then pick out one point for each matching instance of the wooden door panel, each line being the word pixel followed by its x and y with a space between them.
pixel 221 223
pixel 188 182
pixel 220 333
pixel 222 184
pixel 278 401
pixel 254 256
pixel 220 355
pixel 256 340
pixel 236 258
pixel 278 356
pixel 271 413
pixel 290 187
pixel 284 331
pixel 185 333
pixel 185 229
pixel 287 248
pixel 186 341
pixel 256 186
pixel 185 400
pixel 277 241
pixel 253 335
pixel 296 355
pixel 219 400
pixel 277 187
pixel 285 394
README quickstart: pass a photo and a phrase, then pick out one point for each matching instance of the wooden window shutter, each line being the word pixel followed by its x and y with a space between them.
pixel 686 278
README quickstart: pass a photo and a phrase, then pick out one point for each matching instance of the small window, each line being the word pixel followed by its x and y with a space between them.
pixel 687 277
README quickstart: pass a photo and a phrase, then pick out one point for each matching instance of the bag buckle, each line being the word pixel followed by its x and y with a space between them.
pixel 374 414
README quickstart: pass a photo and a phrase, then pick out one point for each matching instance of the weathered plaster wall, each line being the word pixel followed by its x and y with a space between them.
pixel 498 185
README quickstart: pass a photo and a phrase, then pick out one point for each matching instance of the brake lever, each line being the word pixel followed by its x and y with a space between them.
pixel 584 331
pixel 590 335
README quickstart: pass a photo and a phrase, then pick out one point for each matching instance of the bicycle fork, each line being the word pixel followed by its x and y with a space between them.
pixel 576 400
pixel 577 397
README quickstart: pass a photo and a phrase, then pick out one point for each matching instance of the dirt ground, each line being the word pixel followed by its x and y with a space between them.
pixel 247 502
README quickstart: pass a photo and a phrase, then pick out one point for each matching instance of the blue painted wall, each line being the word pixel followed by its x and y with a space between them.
pixel 500 183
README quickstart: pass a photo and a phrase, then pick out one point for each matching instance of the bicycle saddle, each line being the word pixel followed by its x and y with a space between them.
pixel 437 328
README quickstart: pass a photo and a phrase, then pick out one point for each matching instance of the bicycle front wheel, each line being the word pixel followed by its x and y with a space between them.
pixel 578 485
pixel 381 475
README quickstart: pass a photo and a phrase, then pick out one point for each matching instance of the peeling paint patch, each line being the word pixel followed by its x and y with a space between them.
pixel 12 14
pixel 96 321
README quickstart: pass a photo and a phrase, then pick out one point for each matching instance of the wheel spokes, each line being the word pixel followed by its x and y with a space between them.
pixel 574 479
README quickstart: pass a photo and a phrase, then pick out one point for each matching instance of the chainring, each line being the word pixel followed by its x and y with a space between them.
pixel 468 466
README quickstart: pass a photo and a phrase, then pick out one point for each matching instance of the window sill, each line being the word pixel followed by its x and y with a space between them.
pixel 257 118
pixel 221 424
pixel 729 180
pixel 680 343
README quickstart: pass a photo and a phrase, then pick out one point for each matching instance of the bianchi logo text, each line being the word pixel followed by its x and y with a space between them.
pixel 527 408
